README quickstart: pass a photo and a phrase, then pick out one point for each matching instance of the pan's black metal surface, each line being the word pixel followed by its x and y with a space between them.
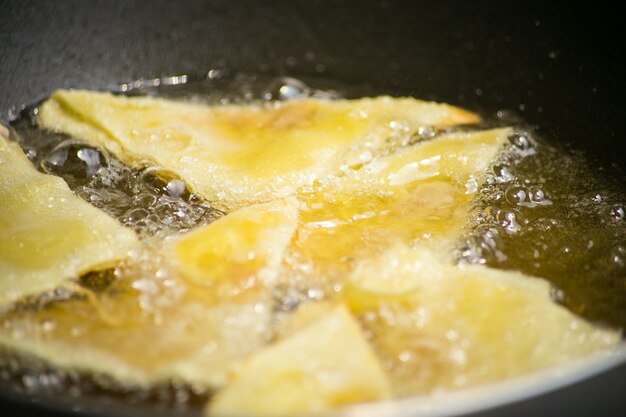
pixel 560 67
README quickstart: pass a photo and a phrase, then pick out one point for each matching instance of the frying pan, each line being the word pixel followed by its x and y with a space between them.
pixel 559 66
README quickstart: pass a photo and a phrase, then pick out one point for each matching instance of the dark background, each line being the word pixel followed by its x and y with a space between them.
pixel 559 65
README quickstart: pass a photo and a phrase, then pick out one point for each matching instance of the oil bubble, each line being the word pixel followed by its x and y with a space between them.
pixel 509 221
pixel 502 173
pixel 74 161
pixel 164 182
pixel 516 195
pixel 286 88
pixel 617 213
pixel 538 197
pixel 424 133
pixel 522 144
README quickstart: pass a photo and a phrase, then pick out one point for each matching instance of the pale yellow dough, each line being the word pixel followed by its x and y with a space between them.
pixel 242 154
pixel 360 214
pixel 442 326
pixel 324 365
pixel 215 313
pixel 47 234
pixel 247 242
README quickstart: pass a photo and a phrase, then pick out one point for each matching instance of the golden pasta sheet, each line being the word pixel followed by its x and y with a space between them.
pixel 144 332
pixel 245 244
pixel 243 154
pixel 440 326
pixel 324 365
pixel 432 325
pixel 205 313
pixel 47 234
pixel 419 195
pixel 459 158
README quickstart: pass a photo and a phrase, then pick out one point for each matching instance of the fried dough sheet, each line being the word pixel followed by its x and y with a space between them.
pixel 48 235
pixel 242 154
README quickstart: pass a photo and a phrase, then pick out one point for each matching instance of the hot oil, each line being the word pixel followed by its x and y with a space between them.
pixel 151 200
pixel 541 211
pixel 545 212
pixel 93 393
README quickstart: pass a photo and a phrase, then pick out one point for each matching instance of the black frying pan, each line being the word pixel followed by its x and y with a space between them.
pixel 558 65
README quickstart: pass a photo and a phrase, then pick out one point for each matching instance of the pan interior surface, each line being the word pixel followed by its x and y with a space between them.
pixel 540 64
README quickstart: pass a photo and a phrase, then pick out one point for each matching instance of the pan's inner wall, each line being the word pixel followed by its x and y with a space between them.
pixel 560 66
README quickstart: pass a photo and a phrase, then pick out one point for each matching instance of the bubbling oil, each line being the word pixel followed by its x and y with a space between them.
pixel 542 211
pixel 148 199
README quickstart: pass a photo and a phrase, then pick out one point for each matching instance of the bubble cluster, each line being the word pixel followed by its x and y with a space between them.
pixel 149 199
pixel 522 144
pixel 65 386
pixel 542 211
pixel 222 86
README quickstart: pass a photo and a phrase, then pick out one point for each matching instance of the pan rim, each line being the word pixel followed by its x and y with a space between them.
pixel 497 393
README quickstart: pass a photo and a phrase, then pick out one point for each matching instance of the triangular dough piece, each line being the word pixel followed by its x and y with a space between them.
pixel 145 332
pixel 459 158
pixel 419 195
pixel 241 154
pixel 48 234
pixel 194 328
pixel 323 366
pixel 246 243
pixel 440 326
